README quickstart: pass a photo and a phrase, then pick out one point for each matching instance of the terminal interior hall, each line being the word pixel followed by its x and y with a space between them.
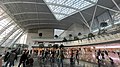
pixel 59 33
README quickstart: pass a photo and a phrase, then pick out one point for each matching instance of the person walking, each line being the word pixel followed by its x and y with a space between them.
pixel 72 59
pixel 6 56
pixel 61 57
pixel 11 59
pixel 77 57
pixel 23 58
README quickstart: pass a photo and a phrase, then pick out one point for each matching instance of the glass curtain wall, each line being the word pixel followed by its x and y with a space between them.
pixel 8 29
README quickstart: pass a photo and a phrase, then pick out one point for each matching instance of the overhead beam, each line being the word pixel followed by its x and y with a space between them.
pixel 31 13
pixel 33 19
pixel 46 27
pixel 93 17
pixel 29 23
pixel 42 24
pixel 85 21
pixel 108 9
pixel 17 2
pixel 105 7
pixel 116 4
pixel 38 13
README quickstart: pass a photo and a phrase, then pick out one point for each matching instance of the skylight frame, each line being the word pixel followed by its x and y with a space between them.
pixel 57 7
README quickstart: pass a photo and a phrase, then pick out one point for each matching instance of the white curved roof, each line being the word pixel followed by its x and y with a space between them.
pixel 55 14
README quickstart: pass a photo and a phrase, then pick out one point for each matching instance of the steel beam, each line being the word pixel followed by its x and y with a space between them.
pixel 108 9
pixel 33 19
pixel 38 13
pixel 86 23
pixel 93 17
pixel 116 4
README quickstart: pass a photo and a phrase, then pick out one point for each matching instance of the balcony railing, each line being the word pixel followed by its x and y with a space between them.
pixel 98 39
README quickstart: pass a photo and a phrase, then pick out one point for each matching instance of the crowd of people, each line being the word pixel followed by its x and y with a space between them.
pixel 10 57
pixel 26 59
pixel 51 56
pixel 57 56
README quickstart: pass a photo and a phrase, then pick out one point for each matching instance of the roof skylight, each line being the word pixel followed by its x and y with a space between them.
pixel 64 8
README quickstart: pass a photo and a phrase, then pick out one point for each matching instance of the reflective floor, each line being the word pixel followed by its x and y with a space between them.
pixel 37 63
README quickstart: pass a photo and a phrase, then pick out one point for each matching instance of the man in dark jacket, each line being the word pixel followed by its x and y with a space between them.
pixel 6 56
pixel 23 59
